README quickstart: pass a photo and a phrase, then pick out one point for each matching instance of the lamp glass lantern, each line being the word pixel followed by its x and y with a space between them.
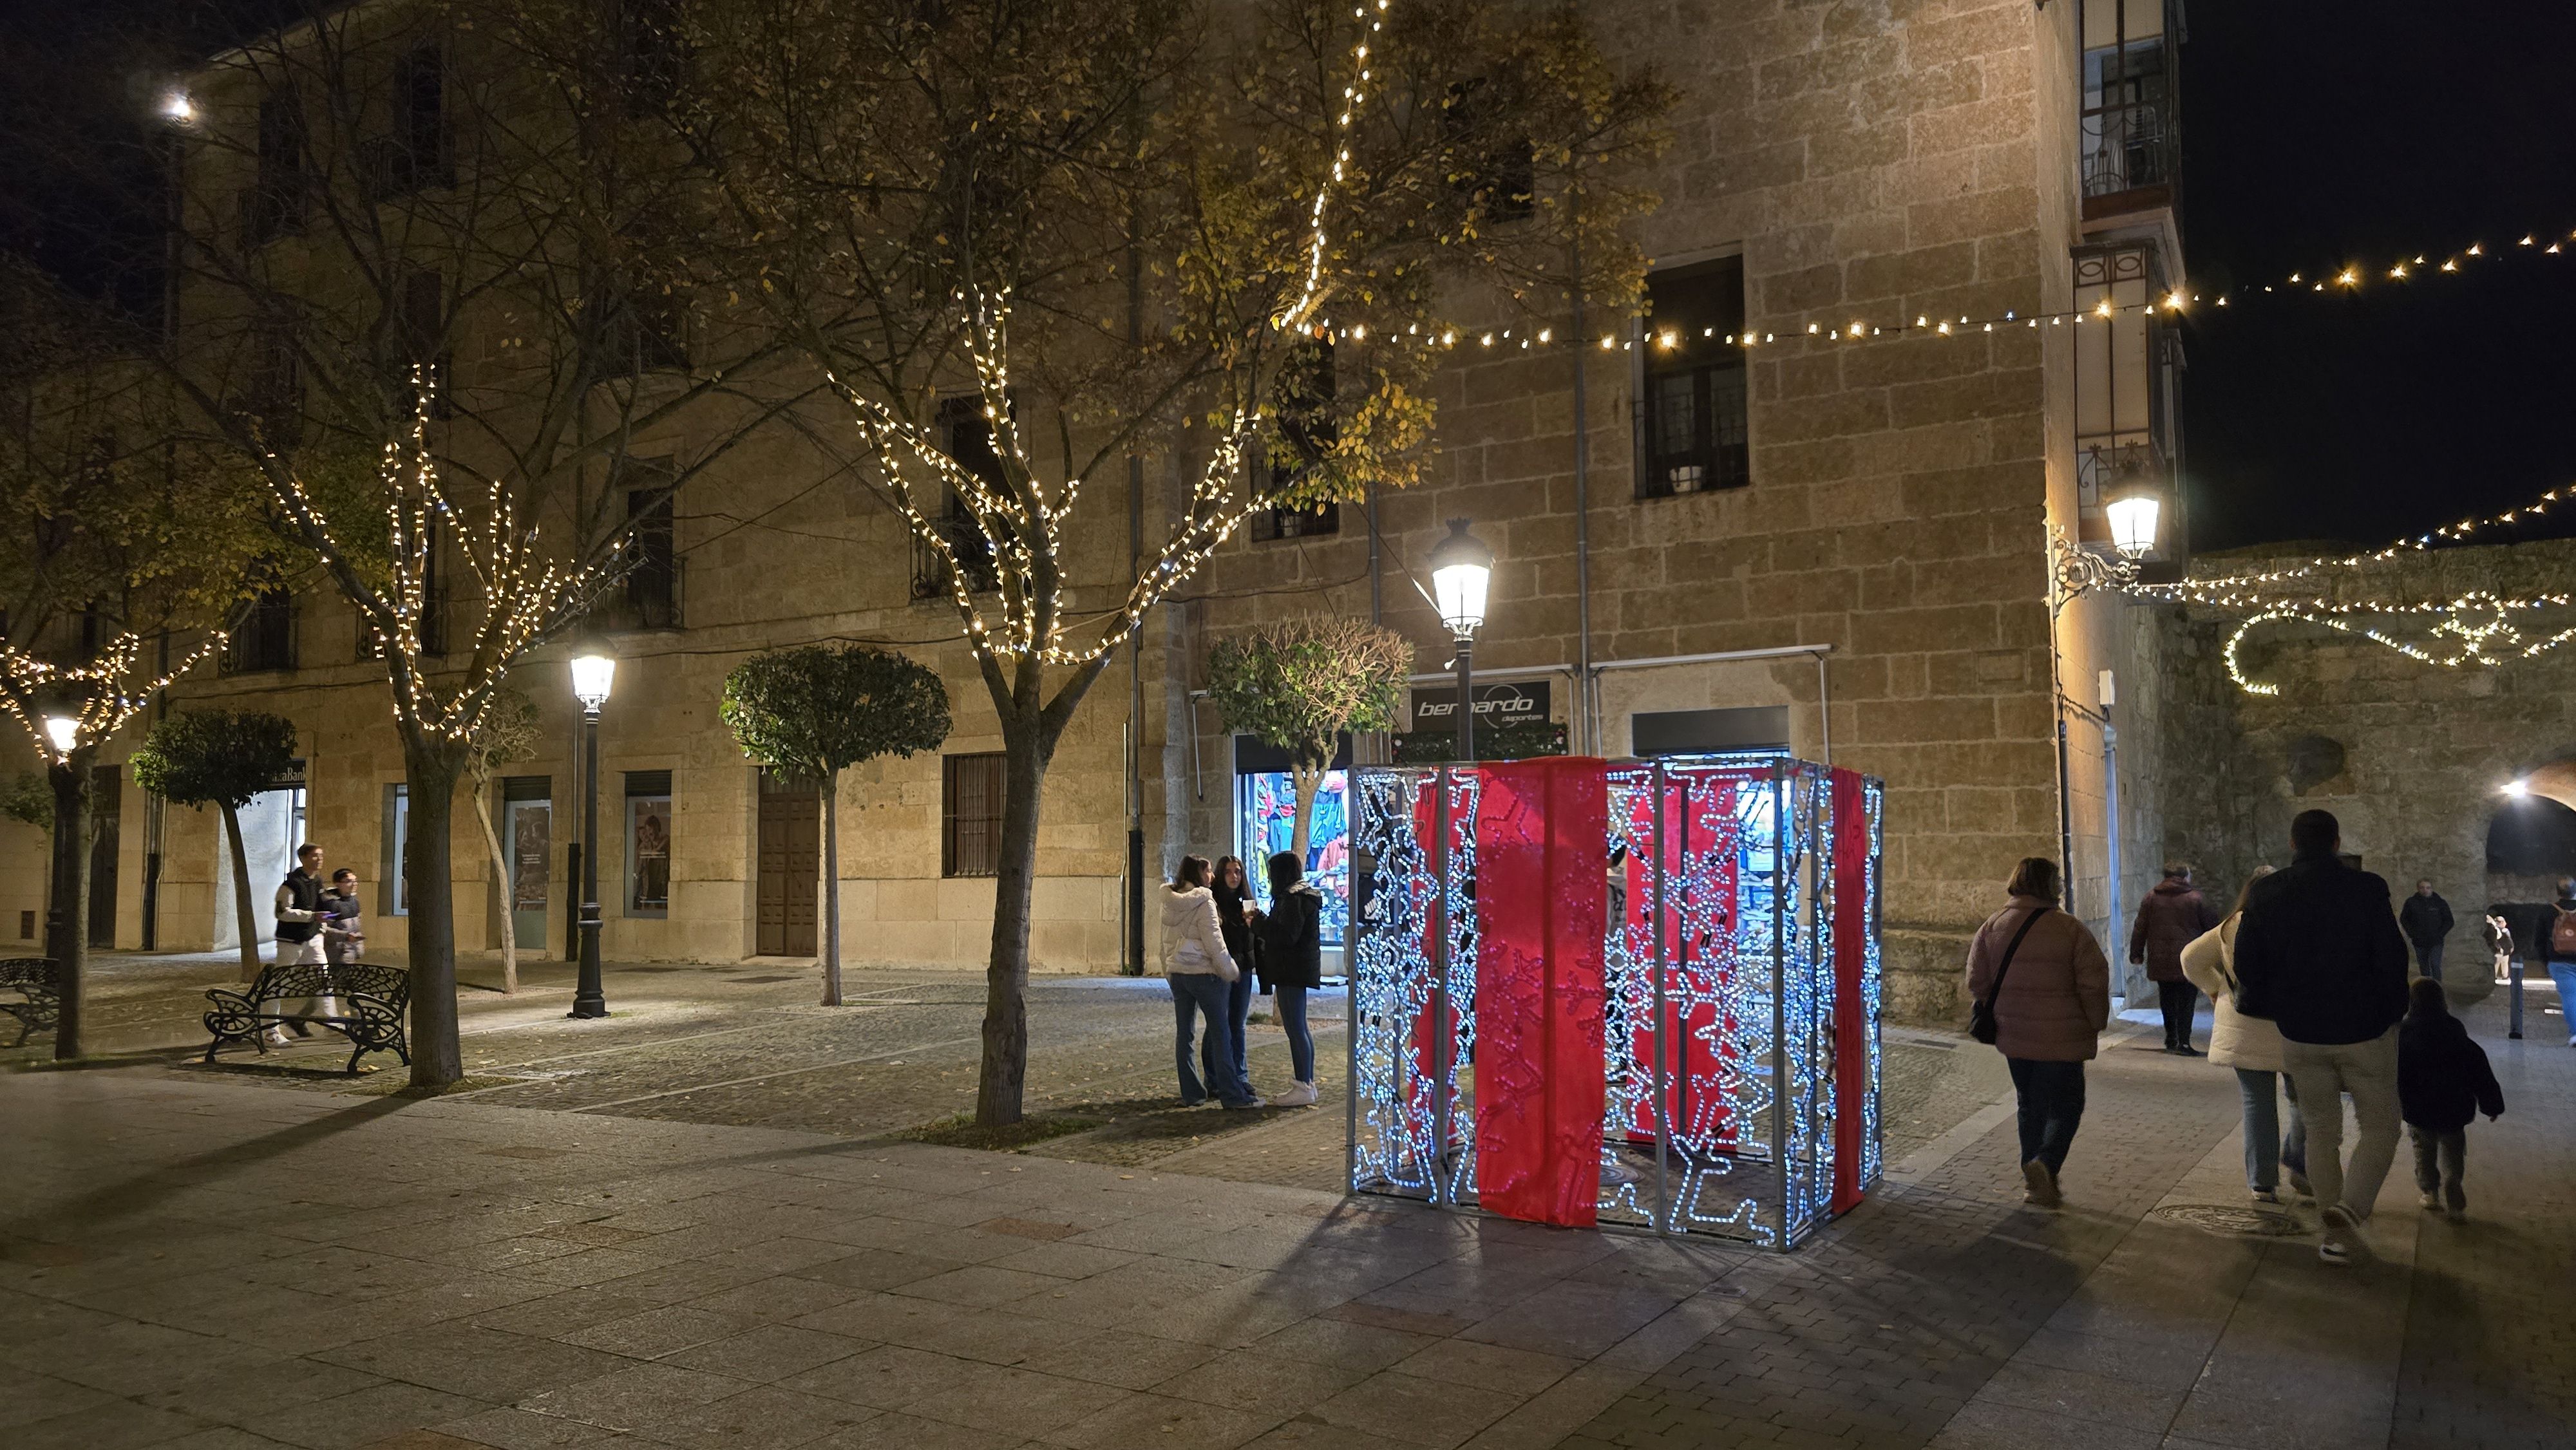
pixel 1461 568
pixel 64 732
pixel 592 675
pixel 2134 507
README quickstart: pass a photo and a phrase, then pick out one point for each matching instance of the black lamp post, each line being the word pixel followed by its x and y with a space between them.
pixel 592 674
pixel 1461 567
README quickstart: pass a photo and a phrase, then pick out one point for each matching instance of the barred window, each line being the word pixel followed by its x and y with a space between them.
pixel 1694 426
pixel 970 815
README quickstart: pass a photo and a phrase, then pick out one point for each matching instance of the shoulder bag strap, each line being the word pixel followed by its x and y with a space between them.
pixel 2011 947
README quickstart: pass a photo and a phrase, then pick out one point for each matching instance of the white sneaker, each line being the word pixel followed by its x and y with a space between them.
pixel 2431 1200
pixel 1300 1096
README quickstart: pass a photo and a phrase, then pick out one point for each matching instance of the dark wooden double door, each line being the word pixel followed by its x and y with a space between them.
pixel 791 844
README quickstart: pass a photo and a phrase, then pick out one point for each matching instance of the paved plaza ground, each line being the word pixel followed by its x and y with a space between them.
pixel 688 1225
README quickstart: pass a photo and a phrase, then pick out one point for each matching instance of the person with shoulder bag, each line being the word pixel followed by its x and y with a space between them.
pixel 1291 939
pixel 1198 969
pixel 2040 990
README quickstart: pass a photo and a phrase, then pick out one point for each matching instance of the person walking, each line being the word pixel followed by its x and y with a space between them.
pixel 2426 920
pixel 1198 968
pixel 1235 914
pixel 2251 1047
pixel 2319 954
pixel 2443 1083
pixel 2048 987
pixel 301 911
pixel 2558 953
pixel 2173 913
pixel 1292 964
pixel 344 929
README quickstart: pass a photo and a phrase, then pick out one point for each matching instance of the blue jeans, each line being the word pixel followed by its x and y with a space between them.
pixel 2267 1148
pixel 1238 1012
pixel 2051 1098
pixel 2428 959
pixel 1301 1042
pixel 1204 993
pixel 2564 974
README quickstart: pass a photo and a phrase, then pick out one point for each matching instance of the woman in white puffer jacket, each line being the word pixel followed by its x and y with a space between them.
pixel 2252 1046
pixel 1198 969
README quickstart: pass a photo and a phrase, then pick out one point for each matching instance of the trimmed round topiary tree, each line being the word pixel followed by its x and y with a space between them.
pixel 220 758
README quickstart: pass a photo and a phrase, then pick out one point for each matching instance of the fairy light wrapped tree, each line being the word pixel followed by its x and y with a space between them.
pixel 1213 243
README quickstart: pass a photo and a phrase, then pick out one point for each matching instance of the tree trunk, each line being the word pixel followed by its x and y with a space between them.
pixel 832 888
pixel 245 920
pixel 500 869
pixel 69 946
pixel 1309 780
pixel 1028 747
pixel 432 770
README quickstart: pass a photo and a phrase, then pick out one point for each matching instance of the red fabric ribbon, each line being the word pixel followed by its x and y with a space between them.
pixel 1850 946
pixel 1542 906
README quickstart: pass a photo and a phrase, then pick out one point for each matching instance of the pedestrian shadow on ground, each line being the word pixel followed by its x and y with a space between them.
pixel 101 1208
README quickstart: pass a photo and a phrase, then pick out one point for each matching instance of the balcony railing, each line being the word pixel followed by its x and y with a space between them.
pixel 974 555
pixel 2127 148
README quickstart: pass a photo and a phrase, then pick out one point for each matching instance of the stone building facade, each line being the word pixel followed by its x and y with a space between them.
pixel 1841 544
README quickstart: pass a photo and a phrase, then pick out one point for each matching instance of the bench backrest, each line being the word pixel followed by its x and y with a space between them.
pixel 390 985
pixel 30 972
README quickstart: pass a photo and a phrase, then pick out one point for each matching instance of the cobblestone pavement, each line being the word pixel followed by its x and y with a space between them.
pixel 207 1261
pixel 745 1046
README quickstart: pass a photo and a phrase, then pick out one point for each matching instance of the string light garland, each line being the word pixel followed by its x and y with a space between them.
pixel 99 695
pixel 2255 586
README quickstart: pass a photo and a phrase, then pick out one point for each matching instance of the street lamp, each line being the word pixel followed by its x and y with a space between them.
pixel 1461 567
pixel 592 674
pixel 64 731
pixel 2132 508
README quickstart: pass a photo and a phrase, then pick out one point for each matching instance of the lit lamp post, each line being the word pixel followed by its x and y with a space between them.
pixel 2132 509
pixel 592 674
pixel 1461 567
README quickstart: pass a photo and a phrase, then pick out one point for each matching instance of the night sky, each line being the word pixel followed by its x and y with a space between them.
pixel 2313 135
pixel 2317 134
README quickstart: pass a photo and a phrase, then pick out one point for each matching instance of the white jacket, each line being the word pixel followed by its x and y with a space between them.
pixel 2235 1040
pixel 1193 942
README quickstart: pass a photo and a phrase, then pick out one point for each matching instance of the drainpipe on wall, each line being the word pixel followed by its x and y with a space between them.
pixel 1583 681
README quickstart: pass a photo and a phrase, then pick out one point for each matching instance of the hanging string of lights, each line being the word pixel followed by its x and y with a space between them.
pixel 100 697
pixel 2237 589
pixel 2343 279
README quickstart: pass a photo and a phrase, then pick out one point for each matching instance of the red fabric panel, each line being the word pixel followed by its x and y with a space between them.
pixel 1542 904
pixel 1850 948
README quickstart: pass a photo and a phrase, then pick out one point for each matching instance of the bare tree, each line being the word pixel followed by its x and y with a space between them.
pixel 508 735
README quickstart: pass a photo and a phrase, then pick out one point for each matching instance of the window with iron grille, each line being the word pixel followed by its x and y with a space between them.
pixel 970 814
pixel 264 637
pixel 272 396
pixel 1309 426
pixel 2128 140
pixel 1499 176
pixel 413 152
pixel 967 435
pixel 273 205
pixel 653 575
pixel 1694 424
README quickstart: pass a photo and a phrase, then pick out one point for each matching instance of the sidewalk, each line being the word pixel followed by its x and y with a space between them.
pixel 202 1263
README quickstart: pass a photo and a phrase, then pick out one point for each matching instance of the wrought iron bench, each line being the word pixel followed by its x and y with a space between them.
pixel 39 985
pixel 362 1003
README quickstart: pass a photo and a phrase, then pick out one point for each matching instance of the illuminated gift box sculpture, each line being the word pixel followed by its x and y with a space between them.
pixel 1643 993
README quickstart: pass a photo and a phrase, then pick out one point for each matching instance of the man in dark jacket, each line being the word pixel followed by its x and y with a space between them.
pixel 2319 953
pixel 2426 920
pixel 2171 918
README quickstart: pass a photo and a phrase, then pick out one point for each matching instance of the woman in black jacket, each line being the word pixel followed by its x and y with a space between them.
pixel 1292 963
pixel 1235 915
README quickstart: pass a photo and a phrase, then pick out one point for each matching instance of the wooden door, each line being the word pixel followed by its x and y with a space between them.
pixel 791 844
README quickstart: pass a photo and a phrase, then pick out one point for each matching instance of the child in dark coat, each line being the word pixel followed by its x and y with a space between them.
pixel 2443 1082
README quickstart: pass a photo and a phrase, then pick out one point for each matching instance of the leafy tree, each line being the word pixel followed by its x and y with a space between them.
pixel 220 758
pixel 430 284
pixel 1297 684
pixel 121 536
pixel 507 736
pixel 817 710
pixel 26 798
pixel 1226 236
